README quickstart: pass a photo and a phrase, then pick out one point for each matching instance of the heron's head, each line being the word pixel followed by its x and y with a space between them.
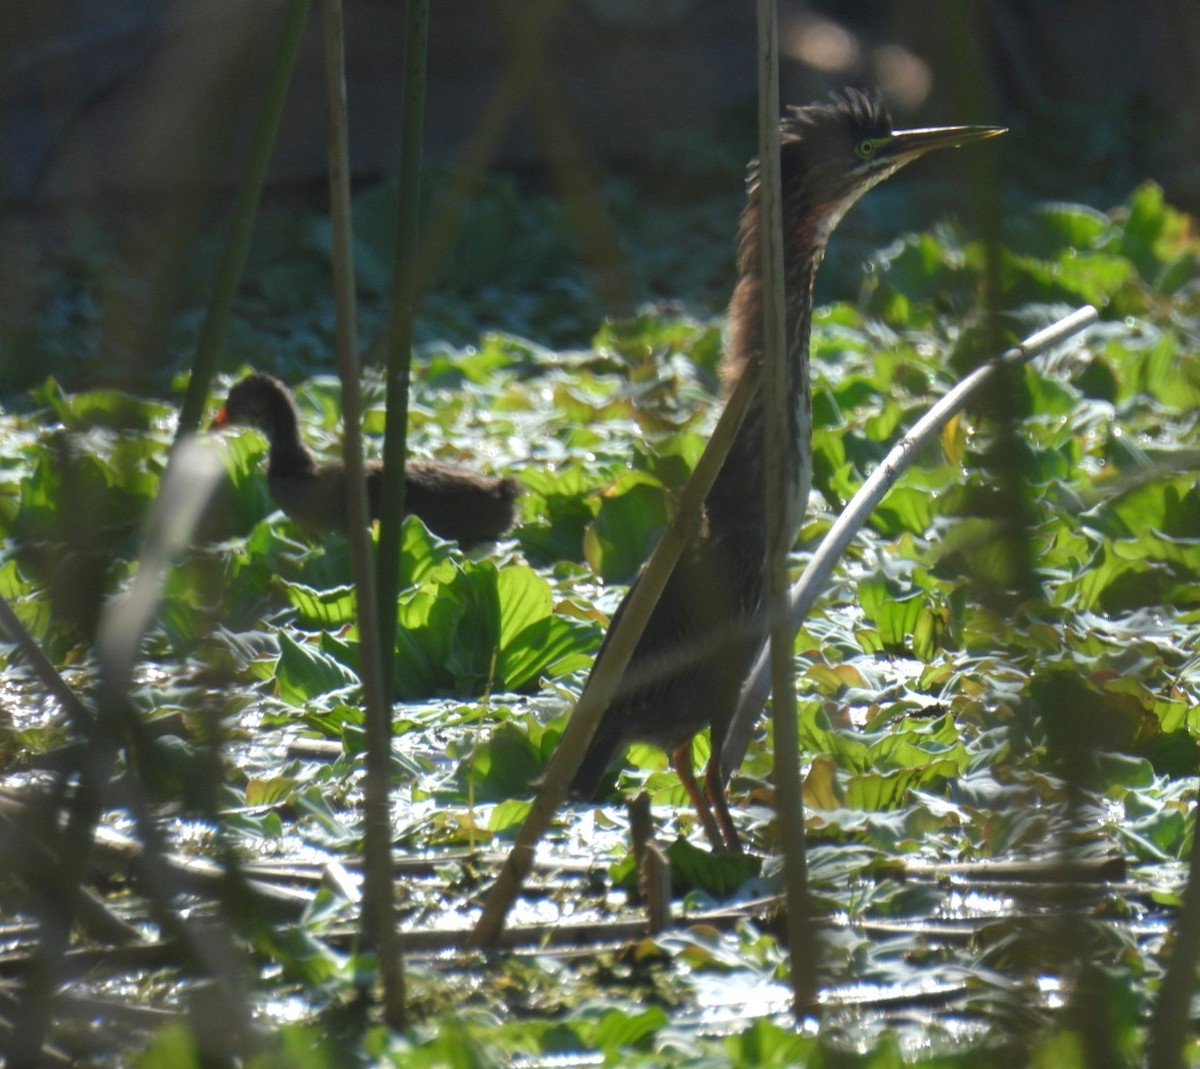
pixel 832 153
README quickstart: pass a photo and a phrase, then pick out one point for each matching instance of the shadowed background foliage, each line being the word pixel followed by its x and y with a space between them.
pixel 124 128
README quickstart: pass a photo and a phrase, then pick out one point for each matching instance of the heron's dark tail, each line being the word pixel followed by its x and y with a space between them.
pixel 599 756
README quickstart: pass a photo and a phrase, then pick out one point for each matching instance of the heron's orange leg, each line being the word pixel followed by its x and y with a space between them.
pixel 681 761
pixel 714 785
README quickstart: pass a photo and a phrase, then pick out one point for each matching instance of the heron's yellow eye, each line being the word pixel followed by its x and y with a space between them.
pixel 866 149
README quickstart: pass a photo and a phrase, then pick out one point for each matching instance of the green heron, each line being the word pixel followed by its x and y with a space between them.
pixel 452 502
pixel 708 626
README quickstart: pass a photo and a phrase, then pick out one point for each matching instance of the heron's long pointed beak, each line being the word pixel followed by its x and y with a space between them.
pixel 907 145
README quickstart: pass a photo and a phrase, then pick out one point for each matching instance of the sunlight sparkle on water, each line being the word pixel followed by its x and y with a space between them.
pixel 288 1010
pixel 728 1001
pixel 1053 992
pixel 973 904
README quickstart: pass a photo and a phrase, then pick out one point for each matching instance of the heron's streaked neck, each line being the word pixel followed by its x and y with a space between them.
pixel 737 499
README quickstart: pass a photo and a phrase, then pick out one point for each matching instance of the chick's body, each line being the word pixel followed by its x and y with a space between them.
pixel 451 501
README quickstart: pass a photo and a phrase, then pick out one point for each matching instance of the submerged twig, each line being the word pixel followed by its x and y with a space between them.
pixel 653 865
pixel 1170 1022
pixel 73 707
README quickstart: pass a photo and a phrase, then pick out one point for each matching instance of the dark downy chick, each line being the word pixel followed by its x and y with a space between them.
pixel 452 502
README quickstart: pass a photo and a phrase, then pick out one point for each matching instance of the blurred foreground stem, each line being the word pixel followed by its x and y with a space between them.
pixel 379 910
pixel 789 803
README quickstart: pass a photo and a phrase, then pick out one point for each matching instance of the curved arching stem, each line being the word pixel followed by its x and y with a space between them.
pixel 815 577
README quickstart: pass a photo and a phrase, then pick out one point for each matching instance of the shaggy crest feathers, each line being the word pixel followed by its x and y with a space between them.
pixel 861 111
pixel 848 116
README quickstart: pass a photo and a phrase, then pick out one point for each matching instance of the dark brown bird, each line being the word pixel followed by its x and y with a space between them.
pixel 452 502
pixel 703 636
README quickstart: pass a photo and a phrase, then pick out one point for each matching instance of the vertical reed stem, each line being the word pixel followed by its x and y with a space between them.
pixel 789 805
pixel 378 916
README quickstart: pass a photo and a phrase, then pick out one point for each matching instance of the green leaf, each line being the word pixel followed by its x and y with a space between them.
pixel 1080 716
pixel 244 499
pixel 503 767
pixel 301 955
pixel 424 557
pixel 1178 272
pixel 905 508
pixel 619 1030
pixel 173 1047
pixel 766 1045
pixel 418 672
pixel 524 599
pixel 100 408
pixel 322 609
pixel 912 744
pixel 304 673
pixel 558 506
pixel 720 875
pixel 633 512
pixel 456 1048
pixel 1074 225
pixel 329 826
pixel 270 791
pixel 1148 223
pixel 1170 506
pixel 449 632
pixel 879 791
pixel 510 813
pixel 672 460
pixel 552 643
pixel 895 616
pixel 13 584
pixel 1092 277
